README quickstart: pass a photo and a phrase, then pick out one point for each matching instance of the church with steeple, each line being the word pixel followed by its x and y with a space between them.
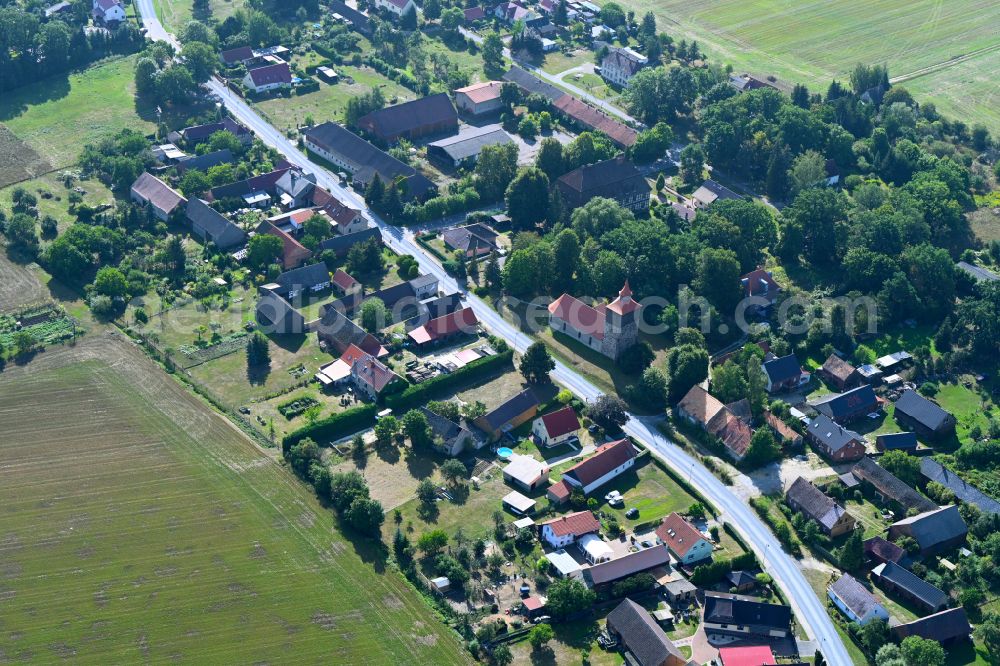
pixel 608 328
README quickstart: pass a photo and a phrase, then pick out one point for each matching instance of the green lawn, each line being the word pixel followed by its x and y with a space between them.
pixel 817 41
pixel 58 115
pixel 57 204
pixel 558 61
pixel 141 527
pixel 648 489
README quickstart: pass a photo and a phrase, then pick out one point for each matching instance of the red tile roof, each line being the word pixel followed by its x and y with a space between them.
pixel 624 303
pixel 749 655
pixel 605 459
pixel 481 92
pixel 371 371
pixel 679 535
pixel 343 280
pixel 277 73
pixel 293 252
pixel 561 422
pixel 533 604
pixel 734 433
pixel 579 315
pixel 590 117
pixel 463 319
pixel 576 524
pixel 560 491
pixel 756 278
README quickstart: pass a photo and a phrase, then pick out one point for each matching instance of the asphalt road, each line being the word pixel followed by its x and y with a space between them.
pixel 809 609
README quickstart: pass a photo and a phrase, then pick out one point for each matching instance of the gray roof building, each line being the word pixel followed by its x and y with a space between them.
pixel 206 161
pixel 803 496
pixel 277 316
pixel 511 409
pixel 932 470
pixel 341 244
pixel 849 405
pixel 860 604
pixel 934 531
pixel 314 276
pixel 466 146
pixel 531 84
pixel 922 413
pixel 212 225
pixel 890 487
pixel 641 637
pixel 979 273
pixel 908 584
pixel 947 627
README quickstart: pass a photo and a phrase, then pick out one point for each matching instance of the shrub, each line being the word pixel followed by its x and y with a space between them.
pixel 334 426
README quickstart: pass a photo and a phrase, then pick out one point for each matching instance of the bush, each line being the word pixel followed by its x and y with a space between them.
pixel 419 394
pixel 334 426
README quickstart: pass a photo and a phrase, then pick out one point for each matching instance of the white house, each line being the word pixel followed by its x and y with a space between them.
pixel 564 530
pixel 620 65
pixel 397 7
pixel 855 601
pixel 108 11
pixel 684 542
pixel 556 427
pixel 271 77
pixel 609 461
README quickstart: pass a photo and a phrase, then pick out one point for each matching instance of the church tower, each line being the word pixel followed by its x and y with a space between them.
pixel 621 326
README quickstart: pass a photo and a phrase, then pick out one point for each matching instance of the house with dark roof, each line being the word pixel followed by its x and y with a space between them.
pixel 531 84
pixel 904 583
pixel 150 191
pixel 683 540
pixel 878 551
pixel 364 161
pixel 934 471
pixel 256 192
pixel 746 82
pixel 422 117
pixel 238 56
pixel 839 373
pixel 620 65
pixel 337 333
pixel 450 438
pixel 616 178
pixel 341 245
pixel 434 307
pixel 641 638
pixel 197 133
pixel 897 441
pixel 269 77
pixel 784 373
pixel 936 531
pixel 463 149
pixel 474 240
pixel 888 488
pixel 834 441
pixel 849 405
pixel 803 496
pixel 609 461
pixel 556 427
pixel 855 600
pixel 212 226
pixel 924 416
pixel 947 627
pixel 357 20
pixel 509 415
pixel 564 530
pixel 741 580
pixel 276 316
pixel 732 616
pixel 587 117
pixel 644 558
pixel 293 253
pixel 206 161
pixel 473 15
pixel 314 278
pixel 710 192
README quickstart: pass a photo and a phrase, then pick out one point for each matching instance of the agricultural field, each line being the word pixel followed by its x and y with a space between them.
pixel 139 526
pixel 57 116
pixel 20 285
pixel 943 52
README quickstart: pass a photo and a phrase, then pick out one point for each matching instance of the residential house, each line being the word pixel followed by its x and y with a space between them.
pixel 450 438
pixel 839 373
pixel 556 427
pixel 616 178
pixel 206 161
pixel 295 189
pixel 241 55
pixel 293 253
pixel 897 441
pixel 698 407
pixel 879 551
pixel 834 441
pixel 732 616
pixel 397 7
pixel 512 413
pixel 849 405
pixel 605 572
pixel 924 416
pixel 211 225
pixel 609 461
pixel 460 322
pixel 150 191
pixel 463 149
pixel 422 117
pixel 683 540
pixel 741 581
pixel 311 278
pixel 620 65
pixel 424 286
pixel 746 82
pixel 270 77
pixel 434 307
pixel 256 192
pixel 511 12
pixel 343 219
pixel 337 333
pixel 947 627
pixel 370 375
pixel 643 641
pixel 526 472
pixel 532 85
pixel 760 284
pixel 276 316
pixel 936 531
pixel 888 488
pixel 345 284
pixel 733 432
pixel 474 240
pixel 474 15
pixel 855 601
pixel 341 245
pixel 782 431
pixel 197 133
pixel 479 98
pixel 710 192
pixel 588 118
pixel 358 21
pixel 564 530
pixel 934 471
pixel 803 496
pixel 364 161
pixel 108 12
pixel 784 374
pixel 680 591
pixel 904 583
pixel 609 329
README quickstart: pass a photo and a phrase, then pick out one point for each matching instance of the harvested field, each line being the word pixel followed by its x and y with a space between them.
pixel 18 160
pixel 20 285
pixel 127 538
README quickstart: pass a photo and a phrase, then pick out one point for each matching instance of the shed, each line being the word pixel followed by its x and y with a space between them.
pixel 518 503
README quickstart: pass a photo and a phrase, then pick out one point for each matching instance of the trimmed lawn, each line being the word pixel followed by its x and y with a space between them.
pixel 648 489
pixel 559 61
pixel 53 196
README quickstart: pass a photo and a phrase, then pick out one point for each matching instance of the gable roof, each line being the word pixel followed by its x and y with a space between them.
pixel 264 182
pixel 589 117
pixel 474 13
pixel 782 369
pixel 304 277
pixel 711 191
pixel 580 316
pixel 207 161
pixel 239 54
pixel 622 59
pixel 160 195
pixel 831 434
pixel 279 313
pixel 292 251
pixel 741 577
pixel 531 84
pixel 932 470
pixel 815 503
pixel 755 282
pixel 337 330
pixel 270 74
pixel 642 636
pixel 576 524
pixel 561 422
pixel 202 132
pixel 481 92
pixel 848 403
pixel 880 549
pixel 344 280
pixel 978 272
pixel 341 244
pixel 897 440
pixel 700 404
pixel 626 565
pixel 941 627
pixel 721 608
pixel 747 655
pixel 838 368
pixel 371 371
pixel 606 458
pixel 604 176
pixel 909 581
pixel 733 431
pixel 891 486
pixel 394 294
pixel 679 535
pixel 475 235
pixel 784 430
pixel 442 427
pixel 221 230
pixel 470 142
pixel 408 117
pixel 854 595
pixel 463 319
pixel 513 407
pixel 357 19
pixel 934 527
pixel 921 410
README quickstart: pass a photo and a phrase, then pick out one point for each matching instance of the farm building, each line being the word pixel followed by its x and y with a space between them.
pixel 855 601
pixel 479 98
pixel 412 120
pixel 644 642
pixel 803 496
pixel 163 200
pixel 463 149
pixel 509 415
pixel 926 417
pixel 935 531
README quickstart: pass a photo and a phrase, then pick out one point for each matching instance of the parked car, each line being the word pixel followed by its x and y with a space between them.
pixel 632 513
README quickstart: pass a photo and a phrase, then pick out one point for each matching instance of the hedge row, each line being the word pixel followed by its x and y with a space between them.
pixel 419 394
pixel 333 427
